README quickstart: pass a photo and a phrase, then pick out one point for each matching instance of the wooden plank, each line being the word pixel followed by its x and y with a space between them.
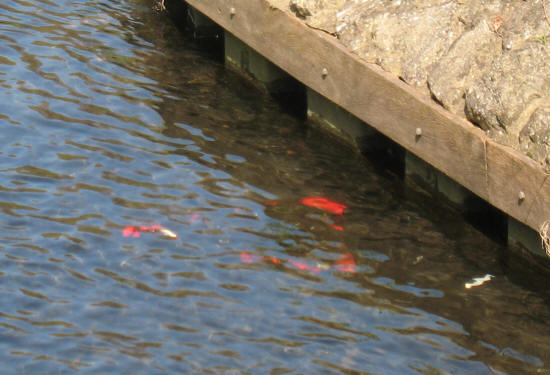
pixel 540 211
pixel 449 143
pixel 515 183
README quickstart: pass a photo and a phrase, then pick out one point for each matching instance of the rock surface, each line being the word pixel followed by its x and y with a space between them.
pixel 486 60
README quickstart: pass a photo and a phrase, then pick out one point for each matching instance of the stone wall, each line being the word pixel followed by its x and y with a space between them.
pixel 486 60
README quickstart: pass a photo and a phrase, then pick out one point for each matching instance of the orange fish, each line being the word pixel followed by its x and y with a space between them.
pixel 272 260
pixel 130 230
pixel 246 257
pixel 304 267
pixel 135 231
pixel 337 227
pixel 346 263
pixel 324 204
pixel 194 217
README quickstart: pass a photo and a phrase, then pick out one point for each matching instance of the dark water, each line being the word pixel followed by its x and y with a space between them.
pixel 111 118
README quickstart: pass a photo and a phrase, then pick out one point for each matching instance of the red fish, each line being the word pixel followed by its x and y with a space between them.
pixel 151 228
pixel 130 230
pixel 304 267
pixel 247 257
pixel 346 263
pixel 135 231
pixel 194 217
pixel 337 227
pixel 272 260
pixel 324 204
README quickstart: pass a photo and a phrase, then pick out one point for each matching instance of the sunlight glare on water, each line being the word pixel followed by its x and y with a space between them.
pixel 293 254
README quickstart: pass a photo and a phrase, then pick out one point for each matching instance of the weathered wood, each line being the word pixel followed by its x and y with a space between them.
pixel 447 142
pixel 540 211
pixel 382 101
pixel 515 183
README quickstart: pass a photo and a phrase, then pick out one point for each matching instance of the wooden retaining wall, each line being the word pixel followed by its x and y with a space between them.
pixel 505 178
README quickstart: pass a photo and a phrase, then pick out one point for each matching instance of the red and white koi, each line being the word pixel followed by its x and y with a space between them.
pixel 135 231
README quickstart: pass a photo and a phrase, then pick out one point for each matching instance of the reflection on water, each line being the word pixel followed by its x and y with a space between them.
pixel 114 126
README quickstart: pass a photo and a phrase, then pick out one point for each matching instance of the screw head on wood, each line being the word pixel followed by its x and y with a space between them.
pixel 418 132
pixel 521 196
pixel 324 73
pixel 232 12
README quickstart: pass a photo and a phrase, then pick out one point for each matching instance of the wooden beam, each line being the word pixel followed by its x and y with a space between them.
pixel 451 144
pixel 539 211
pixel 516 185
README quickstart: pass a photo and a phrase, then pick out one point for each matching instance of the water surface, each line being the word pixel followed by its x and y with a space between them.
pixel 112 118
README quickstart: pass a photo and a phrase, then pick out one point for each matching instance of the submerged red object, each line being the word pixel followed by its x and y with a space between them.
pixel 337 227
pixel 132 231
pixel 247 257
pixel 324 204
pixel 135 231
pixel 304 267
pixel 346 263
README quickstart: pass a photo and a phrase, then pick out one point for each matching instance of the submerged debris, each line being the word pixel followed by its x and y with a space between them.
pixel 346 263
pixel 477 281
pixel 159 6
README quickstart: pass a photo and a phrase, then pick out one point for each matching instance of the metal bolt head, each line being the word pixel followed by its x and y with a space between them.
pixel 324 73
pixel 232 12
pixel 418 132
pixel 521 196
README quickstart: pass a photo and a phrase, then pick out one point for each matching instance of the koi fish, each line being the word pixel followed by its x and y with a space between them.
pixel 247 257
pixel 305 267
pixel 168 233
pixel 132 231
pixel 346 263
pixel 337 227
pixel 194 217
pixel 135 231
pixel 324 204
pixel 272 260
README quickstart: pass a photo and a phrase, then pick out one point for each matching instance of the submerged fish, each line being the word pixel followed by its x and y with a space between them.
pixel 324 204
pixel 346 263
pixel 135 231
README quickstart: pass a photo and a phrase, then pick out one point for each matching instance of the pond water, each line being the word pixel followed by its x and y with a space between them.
pixel 293 254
